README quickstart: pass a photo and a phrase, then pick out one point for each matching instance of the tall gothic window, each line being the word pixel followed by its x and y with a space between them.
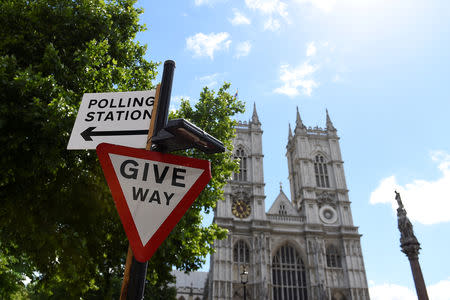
pixel 241 253
pixel 242 175
pixel 320 169
pixel 333 257
pixel 288 275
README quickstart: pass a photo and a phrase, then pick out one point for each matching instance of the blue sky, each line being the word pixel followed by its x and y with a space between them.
pixel 382 70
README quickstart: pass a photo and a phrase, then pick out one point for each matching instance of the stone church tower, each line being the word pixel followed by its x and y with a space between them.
pixel 303 248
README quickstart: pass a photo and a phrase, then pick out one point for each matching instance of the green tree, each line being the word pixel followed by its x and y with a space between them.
pixel 56 209
pixel 58 223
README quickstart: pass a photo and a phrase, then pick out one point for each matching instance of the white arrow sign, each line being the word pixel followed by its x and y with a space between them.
pixel 121 118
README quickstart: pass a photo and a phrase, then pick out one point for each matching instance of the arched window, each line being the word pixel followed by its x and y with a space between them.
pixel 181 298
pixel 339 296
pixel 320 169
pixel 333 257
pixel 242 175
pixel 282 210
pixel 288 275
pixel 241 253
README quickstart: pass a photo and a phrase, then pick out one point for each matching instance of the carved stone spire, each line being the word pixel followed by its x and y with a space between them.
pixel 408 241
pixel 410 246
pixel 255 118
pixel 330 126
pixel 299 122
pixel 290 132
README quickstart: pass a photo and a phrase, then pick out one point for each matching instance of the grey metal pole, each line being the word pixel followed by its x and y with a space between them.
pixel 164 97
pixel 138 272
pixel 136 285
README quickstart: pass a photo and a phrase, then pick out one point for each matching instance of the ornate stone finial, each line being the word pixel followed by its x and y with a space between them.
pixel 408 241
pixel 255 118
pixel 290 132
pixel 399 200
pixel 299 122
pixel 281 186
pixel 330 126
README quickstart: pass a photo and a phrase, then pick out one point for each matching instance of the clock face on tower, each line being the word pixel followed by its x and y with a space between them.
pixel 241 209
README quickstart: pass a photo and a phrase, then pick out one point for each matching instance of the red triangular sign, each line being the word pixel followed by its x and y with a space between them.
pixel 152 191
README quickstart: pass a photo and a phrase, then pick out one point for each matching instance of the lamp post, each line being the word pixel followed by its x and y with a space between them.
pixel 244 280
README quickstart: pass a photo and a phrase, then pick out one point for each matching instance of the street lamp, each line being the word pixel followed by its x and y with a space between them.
pixel 244 280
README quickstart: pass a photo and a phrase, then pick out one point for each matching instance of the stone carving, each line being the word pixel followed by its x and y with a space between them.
pixel 322 292
pixel 264 288
pixel 241 192
pixel 408 241
pixel 399 200
pixel 326 198
pixel 410 246
pixel 406 230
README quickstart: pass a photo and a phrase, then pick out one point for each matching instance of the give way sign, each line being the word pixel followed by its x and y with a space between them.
pixel 152 191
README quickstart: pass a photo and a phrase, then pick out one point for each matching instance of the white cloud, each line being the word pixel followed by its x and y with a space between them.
pixel 297 78
pixel 272 24
pixel 337 78
pixel 239 19
pixel 323 5
pixel 205 44
pixel 427 202
pixel 386 291
pixel 268 6
pixel 391 292
pixel 175 102
pixel 201 2
pixel 272 10
pixel 243 49
pixel 321 49
pixel 206 2
pixel 177 99
pixel 440 290
pixel 311 49
pixel 209 80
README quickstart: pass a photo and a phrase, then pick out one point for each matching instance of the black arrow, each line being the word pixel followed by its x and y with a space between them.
pixel 89 133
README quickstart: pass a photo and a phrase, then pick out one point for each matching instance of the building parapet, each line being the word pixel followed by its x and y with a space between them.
pixel 287 219
pixel 242 124
pixel 316 130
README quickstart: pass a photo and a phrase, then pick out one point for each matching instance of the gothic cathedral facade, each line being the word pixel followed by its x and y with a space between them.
pixel 305 247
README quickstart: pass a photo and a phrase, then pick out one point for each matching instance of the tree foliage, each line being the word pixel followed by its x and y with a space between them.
pixel 55 208
pixel 58 224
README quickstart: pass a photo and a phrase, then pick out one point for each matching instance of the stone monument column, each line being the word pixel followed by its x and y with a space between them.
pixel 410 246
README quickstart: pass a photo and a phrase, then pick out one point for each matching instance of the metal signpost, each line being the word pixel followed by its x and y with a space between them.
pixel 152 190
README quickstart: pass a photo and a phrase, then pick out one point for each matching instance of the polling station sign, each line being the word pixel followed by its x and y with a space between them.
pixel 121 118
pixel 152 191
